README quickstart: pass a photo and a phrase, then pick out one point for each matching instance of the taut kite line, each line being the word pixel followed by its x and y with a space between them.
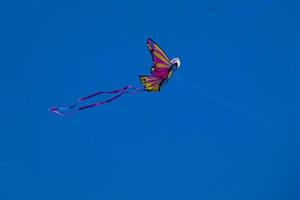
pixel 162 70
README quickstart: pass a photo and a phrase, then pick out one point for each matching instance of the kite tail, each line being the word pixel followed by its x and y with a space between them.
pixel 72 109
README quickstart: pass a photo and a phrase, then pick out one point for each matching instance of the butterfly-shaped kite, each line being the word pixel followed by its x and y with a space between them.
pixel 162 70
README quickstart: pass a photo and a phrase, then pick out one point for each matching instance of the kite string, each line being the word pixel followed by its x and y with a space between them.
pixel 239 108
pixel 63 111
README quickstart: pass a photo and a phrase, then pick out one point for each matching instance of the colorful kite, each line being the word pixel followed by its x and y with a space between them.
pixel 162 70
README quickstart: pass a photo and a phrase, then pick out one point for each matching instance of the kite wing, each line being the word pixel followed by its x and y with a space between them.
pixel 161 62
pixel 151 83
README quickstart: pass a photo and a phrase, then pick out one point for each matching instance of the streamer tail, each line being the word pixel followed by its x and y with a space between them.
pixel 72 109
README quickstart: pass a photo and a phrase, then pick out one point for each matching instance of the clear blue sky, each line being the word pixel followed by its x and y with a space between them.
pixel 177 144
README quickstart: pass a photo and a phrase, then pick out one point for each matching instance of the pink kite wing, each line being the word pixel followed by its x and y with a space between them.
pixel 162 65
pixel 151 83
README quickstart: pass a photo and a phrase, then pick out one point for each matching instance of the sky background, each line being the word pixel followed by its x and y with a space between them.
pixel 230 129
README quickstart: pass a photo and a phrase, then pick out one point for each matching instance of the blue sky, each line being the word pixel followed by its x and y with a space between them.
pixel 239 139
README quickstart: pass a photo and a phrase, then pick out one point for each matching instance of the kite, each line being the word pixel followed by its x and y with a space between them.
pixel 162 70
